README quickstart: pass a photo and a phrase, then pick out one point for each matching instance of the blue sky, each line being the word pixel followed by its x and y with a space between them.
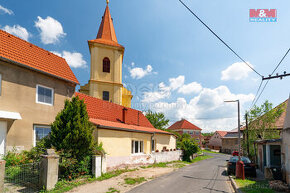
pixel 164 35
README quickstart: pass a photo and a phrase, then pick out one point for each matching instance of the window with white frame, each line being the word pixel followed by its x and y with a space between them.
pixel 40 132
pixel 0 84
pixel 137 147
pixel 44 95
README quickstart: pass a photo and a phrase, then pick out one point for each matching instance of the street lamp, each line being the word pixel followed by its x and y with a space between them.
pixel 240 170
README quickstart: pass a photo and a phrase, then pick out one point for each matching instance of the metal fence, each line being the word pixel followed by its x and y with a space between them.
pixel 22 178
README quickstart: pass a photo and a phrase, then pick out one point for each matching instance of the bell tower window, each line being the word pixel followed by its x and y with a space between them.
pixel 106 96
pixel 106 65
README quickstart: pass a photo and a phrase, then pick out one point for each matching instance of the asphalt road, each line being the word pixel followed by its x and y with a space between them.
pixel 204 176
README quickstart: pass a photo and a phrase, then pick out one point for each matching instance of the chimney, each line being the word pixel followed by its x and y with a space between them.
pixel 124 115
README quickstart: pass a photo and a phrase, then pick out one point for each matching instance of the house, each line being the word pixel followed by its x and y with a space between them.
pixel 215 141
pixel 184 126
pixel 272 153
pixel 34 84
pixel 127 135
pixel 269 156
pixel 230 141
pixel 286 147
pixel 106 65
pixel 205 141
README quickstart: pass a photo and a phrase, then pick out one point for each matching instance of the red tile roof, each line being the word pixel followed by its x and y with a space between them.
pixel 184 124
pixel 28 55
pixel 126 127
pixel 111 115
pixel 107 34
pixel 222 133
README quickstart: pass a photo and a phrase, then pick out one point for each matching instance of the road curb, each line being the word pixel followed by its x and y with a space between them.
pixel 234 185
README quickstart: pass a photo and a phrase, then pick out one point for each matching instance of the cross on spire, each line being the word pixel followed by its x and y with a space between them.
pixel 107 2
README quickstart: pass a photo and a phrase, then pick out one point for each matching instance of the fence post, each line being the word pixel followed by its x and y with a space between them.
pixel 2 175
pixel 49 169
pixel 97 166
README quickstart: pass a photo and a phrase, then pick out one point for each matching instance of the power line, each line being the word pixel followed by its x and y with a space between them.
pixel 257 93
pixel 270 75
pixel 218 37
pixel 280 61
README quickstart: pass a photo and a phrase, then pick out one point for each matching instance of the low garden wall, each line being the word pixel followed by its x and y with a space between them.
pixel 141 159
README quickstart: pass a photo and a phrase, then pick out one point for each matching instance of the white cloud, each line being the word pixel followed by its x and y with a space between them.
pixel 236 71
pixel 207 110
pixel 51 30
pixel 176 83
pixel 138 73
pixel 163 92
pixel 17 30
pixel 74 59
pixel 5 10
pixel 193 87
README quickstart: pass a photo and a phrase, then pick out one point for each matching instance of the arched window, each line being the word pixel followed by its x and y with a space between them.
pixel 106 65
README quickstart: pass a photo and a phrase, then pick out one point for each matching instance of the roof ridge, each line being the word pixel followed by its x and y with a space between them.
pixel 9 34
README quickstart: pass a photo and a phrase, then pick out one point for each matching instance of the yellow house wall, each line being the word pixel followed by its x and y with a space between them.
pixel 118 143
pixel 163 140
pixel 19 95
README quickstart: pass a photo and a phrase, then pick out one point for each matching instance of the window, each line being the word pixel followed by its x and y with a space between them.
pixel 0 84
pixel 197 133
pixel 106 96
pixel 40 132
pixel 191 132
pixel 106 65
pixel 137 147
pixel 44 95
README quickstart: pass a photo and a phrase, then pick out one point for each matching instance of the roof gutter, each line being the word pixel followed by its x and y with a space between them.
pixel 37 70
pixel 128 130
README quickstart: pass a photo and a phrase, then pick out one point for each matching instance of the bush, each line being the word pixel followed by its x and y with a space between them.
pixel 71 168
pixel 71 132
pixel 13 158
pixel 189 147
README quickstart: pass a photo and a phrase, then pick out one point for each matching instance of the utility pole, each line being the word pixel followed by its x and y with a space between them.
pixel 277 76
pixel 247 130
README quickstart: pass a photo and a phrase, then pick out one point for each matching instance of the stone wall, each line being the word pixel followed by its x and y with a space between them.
pixel 135 160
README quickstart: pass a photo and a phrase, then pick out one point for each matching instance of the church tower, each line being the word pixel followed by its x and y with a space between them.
pixel 106 65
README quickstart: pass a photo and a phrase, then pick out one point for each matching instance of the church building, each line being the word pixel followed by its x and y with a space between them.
pixel 106 66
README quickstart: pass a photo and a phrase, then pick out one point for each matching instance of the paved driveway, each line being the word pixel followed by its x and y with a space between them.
pixel 204 176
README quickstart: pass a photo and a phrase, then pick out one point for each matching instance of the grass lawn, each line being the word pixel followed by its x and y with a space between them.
pixel 200 158
pixel 132 181
pixel 208 151
pixel 251 186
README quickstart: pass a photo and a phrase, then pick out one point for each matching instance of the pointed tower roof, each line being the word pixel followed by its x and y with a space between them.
pixel 106 34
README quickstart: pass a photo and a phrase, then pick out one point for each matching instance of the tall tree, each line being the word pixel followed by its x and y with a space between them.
pixel 71 132
pixel 158 120
pixel 262 124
